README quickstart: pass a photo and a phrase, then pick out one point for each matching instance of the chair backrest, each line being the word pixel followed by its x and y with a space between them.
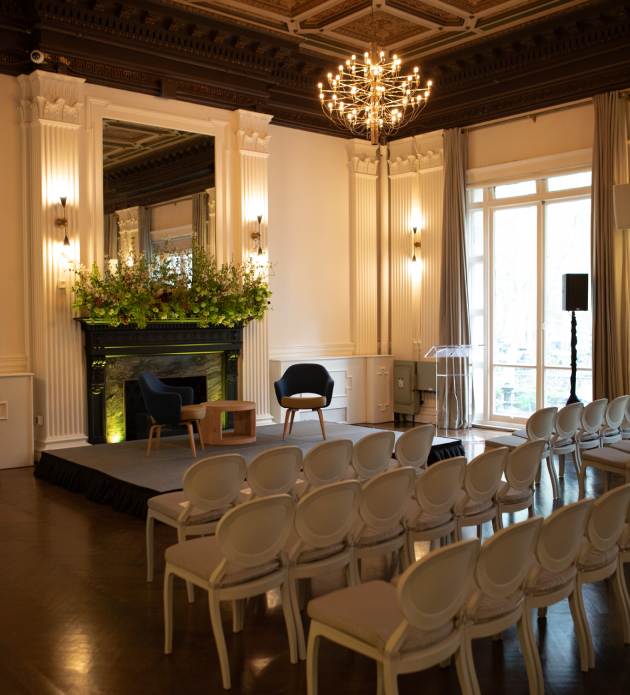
pixel 372 454
pixel 483 474
pixel 413 447
pixel 325 516
pixel 431 592
pixel 150 381
pixel 505 557
pixel 540 423
pixel 523 462
pixel 616 411
pixel 568 420
pixel 274 472
pixel 593 416
pixel 305 378
pixel 437 488
pixel 628 412
pixel 256 532
pixel 608 517
pixel 215 482
pixel 384 498
pixel 328 462
pixel 561 535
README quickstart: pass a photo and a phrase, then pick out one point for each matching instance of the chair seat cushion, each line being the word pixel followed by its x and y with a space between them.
pixel 608 456
pixel 595 558
pixel 623 445
pixel 561 443
pixel 472 507
pixel 548 582
pixel 370 613
pixel 202 556
pixel 589 437
pixel 624 539
pixel 611 433
pixel 309 553
pixel 509 440
pixel 426 521
pixel 520 433
pixel 308 402
pixel 491 608
pixel 172 504
pixel 372 536
pixel 193 412
pixel 516 496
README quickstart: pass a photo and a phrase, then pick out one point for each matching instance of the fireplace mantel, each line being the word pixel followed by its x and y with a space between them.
pixel 158 338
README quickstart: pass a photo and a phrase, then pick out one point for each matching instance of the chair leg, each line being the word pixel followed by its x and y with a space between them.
pixel 577 461
pixel 190 588
pixel 150 438
pixel 582 481
pixel 380 681
pixel 538 474
pixel 198 423
pixel 219 638
pixel 321 422
pixel 292 419
pixel 526 648
pixel 555 486
pixel 168 611
pixel 286 423
pixel 290 620
pixel 579 629
pixel 585 652
pixel 150 524
pixel 238 615
pixel 390 678
pixel 299 628
pixel 527 618
pixel 312 659
pixel 472 673
pixel 560 465
pixel 191 437
pixel 463 674
pixel 621 592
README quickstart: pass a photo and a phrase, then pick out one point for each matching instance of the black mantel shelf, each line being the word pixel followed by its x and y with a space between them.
pixel 158 338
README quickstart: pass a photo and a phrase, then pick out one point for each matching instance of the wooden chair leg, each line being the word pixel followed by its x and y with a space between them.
pixel 198 423
pixel 293 412
pixel 191 436
pixel 286 423
pixel 150 438
pixel 321 422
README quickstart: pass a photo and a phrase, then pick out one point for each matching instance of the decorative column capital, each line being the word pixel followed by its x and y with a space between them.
pixel 363 158
pixel 402 157
pixel 430 150
pixel 251 131
pixel 51 97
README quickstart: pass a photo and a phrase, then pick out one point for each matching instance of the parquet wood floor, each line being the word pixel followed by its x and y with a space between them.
pixel 77 616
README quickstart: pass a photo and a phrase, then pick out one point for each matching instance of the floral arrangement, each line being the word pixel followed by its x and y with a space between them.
pixel 172 286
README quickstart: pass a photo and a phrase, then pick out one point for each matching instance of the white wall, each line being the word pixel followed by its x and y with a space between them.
pixel 13 347
pixel 309 241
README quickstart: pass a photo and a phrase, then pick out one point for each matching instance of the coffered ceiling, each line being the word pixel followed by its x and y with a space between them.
pixel 410 28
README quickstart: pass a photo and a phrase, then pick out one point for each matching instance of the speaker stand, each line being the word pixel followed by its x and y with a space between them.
pixel 573 398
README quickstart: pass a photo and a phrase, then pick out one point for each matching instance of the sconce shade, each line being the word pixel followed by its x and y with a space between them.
pixel 66 241
pixel 260 251
pixel 63 199
pixel 259 218
pixel 621 197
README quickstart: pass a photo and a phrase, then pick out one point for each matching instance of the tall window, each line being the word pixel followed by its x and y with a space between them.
pixel 522 237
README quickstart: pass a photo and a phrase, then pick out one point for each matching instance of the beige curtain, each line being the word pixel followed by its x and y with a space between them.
pixel 145 244
pixel 454 402
pixel 200 221
pixel 609 264
pixel 110 234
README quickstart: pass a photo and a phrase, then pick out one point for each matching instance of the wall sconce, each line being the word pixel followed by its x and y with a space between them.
pixel 62 222
pixel 416 244
pixel 257 236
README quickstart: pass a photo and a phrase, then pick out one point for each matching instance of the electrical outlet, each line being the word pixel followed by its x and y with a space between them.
pixel 39 419
pixel 62 284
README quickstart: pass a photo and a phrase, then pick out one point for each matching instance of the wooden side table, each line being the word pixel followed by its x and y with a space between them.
pixel 244 422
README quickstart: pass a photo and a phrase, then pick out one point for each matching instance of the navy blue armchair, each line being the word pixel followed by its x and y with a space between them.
pixel 304 378
pixel 170 405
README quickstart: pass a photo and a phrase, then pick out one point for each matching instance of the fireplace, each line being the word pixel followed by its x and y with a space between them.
pixel 115 356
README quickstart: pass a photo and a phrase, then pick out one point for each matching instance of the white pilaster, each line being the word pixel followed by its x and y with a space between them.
pixel 404 215
pixel 384 335
pixel 363 160
pixel 51 122
pixel 252 151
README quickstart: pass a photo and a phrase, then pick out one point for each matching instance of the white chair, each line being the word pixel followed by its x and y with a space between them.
pixel 274 472
pixel 321 541
pixel 372 454
pixel 614 416
pixel 552 574
pixel 566 426
pixel 520 472
pixel 245 558
pixel 610 459
pixel 587 436
pixel 625 431
pixel 477 501
pixel 380 529
pixel 405 629
pixel 211 488
pixel 496 598
pixel 624 556
pixel 414 446
pixel 429 514
pixel 326 463
pixel 599 559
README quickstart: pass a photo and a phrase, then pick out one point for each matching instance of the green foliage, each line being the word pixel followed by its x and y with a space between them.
pixel 173 286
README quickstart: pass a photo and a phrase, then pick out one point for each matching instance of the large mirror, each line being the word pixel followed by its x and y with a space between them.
pixel 158 183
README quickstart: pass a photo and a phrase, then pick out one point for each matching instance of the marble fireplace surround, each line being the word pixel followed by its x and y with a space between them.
pixel 167 349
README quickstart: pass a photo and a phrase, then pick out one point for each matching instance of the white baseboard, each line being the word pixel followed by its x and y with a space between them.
pixel 300 352
pixel 60 443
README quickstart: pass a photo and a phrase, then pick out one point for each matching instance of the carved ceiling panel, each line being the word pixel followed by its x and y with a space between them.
pixel 387 28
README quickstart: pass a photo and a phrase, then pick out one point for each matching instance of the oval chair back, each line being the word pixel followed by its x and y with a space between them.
pixel 372 454
pixel 607 518
pixel 593 416
pixel 504 559
pixel 483 474
pixel 561 535
pixel 325 515
pixel 305 378
pixel 385 497
pixel 437 488
pixel 431 592
pixel 540 424
pixel 274 472
pixel 214 483
pixel 414 446
pixel 568 421
pixel 523 463
pixel 255 533
pixel 328 462
pixel 615 412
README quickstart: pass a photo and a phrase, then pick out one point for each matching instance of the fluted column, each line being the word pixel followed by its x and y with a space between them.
pixel 252 151
pixel 363 160
pixel 51 122
pixel 403 174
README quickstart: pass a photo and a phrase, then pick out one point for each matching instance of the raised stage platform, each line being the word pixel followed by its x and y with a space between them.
pixel 121 476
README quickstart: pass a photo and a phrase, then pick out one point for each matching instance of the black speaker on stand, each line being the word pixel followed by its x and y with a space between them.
pixel 574 298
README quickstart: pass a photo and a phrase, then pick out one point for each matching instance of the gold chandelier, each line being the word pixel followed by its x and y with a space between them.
pixel 372 97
